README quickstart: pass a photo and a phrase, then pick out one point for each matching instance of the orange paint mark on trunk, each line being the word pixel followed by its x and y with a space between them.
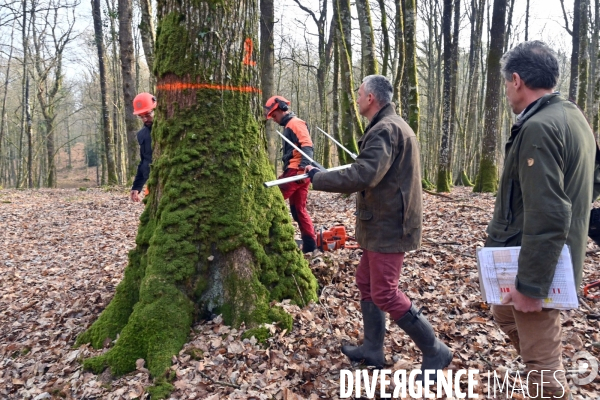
pixel 248 46
pixel 182 86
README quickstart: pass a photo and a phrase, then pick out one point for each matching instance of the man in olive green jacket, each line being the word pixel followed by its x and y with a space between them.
pixel 543 202
pixel 386 178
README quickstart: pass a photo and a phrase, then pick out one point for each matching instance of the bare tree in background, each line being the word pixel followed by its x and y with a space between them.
pixel 487 177
pixel 369 65
pixel 108 139
pixel 126 51
pixel 148 35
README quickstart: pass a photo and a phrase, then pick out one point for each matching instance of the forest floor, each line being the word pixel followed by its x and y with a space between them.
pixel 62 253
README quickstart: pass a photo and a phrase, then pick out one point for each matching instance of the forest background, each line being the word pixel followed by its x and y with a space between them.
pixel 66 123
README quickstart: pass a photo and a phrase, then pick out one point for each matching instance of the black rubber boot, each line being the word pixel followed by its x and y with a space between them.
pixel 308 244
pixel 371 351
pixel 436 355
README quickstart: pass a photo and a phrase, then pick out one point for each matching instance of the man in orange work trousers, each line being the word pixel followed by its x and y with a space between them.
pixel 294 163
pixel 143 106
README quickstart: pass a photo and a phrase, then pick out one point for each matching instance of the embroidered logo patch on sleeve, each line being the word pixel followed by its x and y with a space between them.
pixel 530 162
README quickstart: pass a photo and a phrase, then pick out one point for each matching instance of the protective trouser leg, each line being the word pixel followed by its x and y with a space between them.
pixel 371 351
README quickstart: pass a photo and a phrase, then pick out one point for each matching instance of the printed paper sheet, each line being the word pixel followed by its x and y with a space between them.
pixel 498 268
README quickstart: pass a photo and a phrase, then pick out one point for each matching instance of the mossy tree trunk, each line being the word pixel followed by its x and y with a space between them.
pixel 487 177
pixel 351 120
pixel 410 86
pixel 212 239
pixel 444 176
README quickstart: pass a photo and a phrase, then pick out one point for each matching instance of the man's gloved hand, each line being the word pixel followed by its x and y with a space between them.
pixel 312 171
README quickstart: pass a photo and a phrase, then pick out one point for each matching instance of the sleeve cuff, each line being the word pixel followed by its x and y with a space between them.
pixel 535 292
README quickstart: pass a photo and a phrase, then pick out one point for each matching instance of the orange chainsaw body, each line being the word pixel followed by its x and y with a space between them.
pixel 333 239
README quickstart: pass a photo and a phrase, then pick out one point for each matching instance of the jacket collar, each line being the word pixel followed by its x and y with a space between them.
pixel 534 107
pixel 287 118
pixel 383 112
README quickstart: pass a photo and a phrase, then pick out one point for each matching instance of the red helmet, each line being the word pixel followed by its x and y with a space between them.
pixel 274 103
pixel 143 103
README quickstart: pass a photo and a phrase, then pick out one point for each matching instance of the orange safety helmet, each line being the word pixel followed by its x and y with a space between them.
pixel 274 103
pixel 143 103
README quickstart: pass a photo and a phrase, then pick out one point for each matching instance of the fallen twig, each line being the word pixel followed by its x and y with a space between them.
pixel 438 194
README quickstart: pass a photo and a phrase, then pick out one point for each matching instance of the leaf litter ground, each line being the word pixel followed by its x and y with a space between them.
pixel 62 253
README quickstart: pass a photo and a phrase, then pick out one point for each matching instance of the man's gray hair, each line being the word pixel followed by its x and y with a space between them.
pixel 535 62
pixel 380 87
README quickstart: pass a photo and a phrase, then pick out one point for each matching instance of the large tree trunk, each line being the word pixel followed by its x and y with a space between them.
pixel 487 177
pixel 127 72
pixel 367 39
pixel 212 239
pixel 109 147
pixel 444 177
pixel 267 66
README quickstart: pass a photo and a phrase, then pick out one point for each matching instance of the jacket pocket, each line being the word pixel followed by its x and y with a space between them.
pixel 364 215
pixel 499 235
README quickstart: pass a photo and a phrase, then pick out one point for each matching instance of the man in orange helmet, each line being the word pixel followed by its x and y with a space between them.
pixel 143 106
pixel 294 163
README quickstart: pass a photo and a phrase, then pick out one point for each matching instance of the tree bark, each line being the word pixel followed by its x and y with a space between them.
pixel 212 239
pixel 386 38
pixel 267 66
pixel 400 56
pixel 575 33
pixel 487 177
pixel 127 72
pixel 350 117
pixel 583 55
pixel 148 35
pixel 444 177
pixel 410 86
pixel 367 40
pixel 6 81
pixel 108 139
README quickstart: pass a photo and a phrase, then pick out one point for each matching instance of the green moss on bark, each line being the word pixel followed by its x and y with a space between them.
pixel 444 181
pixel 487 178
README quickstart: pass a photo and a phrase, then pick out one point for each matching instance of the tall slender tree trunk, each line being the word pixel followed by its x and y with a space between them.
pixel 410 86
pixel 487 177
pixel 233 251
pixel 350 117
pixel 367 39
pixel 267 66
pixel 583 56
pixel 576 47
pixel 401 56
pixel 386 38
pixel 148 34
pixel 527 21
pixel 127 72
pixel 29 137
pixel 335 99
pixel 5 95
pixel 109 147
pixel 444 177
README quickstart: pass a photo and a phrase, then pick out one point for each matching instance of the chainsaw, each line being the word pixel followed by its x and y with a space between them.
pixel 334 238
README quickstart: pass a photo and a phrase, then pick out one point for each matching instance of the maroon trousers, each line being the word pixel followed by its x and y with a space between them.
pixel 297 192
pixel 377 278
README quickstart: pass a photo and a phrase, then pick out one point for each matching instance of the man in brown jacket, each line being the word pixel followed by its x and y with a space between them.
pixel 386 178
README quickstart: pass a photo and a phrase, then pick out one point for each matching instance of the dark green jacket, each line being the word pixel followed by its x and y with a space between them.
pixel 387 177
pixel 545 192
